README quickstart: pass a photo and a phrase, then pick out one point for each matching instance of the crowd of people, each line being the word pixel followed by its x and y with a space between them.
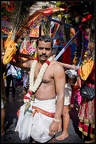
pixel 47 100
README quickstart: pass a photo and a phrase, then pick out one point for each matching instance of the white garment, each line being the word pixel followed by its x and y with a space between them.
pixel 68 94
pixel 25 79
pixel 36 126
pixel 11 70
pixel 2 103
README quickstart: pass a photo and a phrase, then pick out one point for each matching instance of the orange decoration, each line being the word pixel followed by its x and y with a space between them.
pixel 86 69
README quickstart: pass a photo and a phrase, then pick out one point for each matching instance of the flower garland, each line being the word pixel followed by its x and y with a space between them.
pixel 33 86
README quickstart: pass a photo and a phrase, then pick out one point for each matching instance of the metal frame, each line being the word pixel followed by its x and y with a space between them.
pixel 66 46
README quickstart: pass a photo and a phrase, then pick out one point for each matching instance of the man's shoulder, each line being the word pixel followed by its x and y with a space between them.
pixel 56 65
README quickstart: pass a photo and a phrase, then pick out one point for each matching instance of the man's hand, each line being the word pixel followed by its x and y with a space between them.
pixel 54 127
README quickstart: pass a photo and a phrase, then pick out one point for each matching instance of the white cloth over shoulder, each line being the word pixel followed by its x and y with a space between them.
pixel 71 73
pixel 68 94
pixel 36 126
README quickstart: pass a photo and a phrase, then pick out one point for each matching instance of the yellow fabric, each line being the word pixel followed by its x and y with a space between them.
pixel 9 52
pixel 10 49
pixel 4 76
pixel 86 69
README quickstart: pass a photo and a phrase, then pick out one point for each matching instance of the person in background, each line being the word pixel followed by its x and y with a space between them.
pixel 87 107
pixel 11 74
pixel 65 120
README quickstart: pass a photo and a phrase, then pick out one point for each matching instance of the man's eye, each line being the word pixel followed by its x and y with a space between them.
pixel 41 48
pixel 48 49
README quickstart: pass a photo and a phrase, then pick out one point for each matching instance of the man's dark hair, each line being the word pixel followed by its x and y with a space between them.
pixel 45 38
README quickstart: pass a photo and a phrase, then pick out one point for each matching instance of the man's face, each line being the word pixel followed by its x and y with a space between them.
pixel 44 50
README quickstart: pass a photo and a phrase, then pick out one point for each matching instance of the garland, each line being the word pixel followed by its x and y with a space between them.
pixel 33 86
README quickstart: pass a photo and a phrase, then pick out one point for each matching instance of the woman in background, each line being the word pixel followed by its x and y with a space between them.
pixel 87 108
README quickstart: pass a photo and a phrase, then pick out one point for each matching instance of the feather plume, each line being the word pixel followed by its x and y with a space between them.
pixel 19 15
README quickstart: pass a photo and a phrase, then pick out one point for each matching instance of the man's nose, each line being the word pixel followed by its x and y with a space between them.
pixel 43 51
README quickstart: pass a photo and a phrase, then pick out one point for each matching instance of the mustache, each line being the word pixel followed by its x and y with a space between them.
pixel 43 55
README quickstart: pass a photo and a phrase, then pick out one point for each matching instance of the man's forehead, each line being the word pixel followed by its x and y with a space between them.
pixel 42 43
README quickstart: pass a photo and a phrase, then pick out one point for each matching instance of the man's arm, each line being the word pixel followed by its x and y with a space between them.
pixel 26 56
pixel 69 66
pixel 23 65
pixel 59 78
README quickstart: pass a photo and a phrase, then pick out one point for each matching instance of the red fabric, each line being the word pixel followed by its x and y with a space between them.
pixel 86 129
pixel 83 126
pixel 87 18
pixel 48 62
pixel 30 92
pixel 91 85
pixel 66 56
pixel 91 130
pixel 25 97
pixel 48 11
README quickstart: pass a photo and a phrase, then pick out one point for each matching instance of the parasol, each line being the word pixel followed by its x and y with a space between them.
pixel 38 16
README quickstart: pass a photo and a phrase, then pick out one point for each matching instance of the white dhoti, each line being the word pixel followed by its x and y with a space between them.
pixel 36 125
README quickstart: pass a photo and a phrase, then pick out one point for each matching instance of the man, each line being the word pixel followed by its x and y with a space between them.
pixel 39 117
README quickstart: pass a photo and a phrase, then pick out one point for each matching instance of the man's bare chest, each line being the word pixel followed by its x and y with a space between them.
pixel 47 77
